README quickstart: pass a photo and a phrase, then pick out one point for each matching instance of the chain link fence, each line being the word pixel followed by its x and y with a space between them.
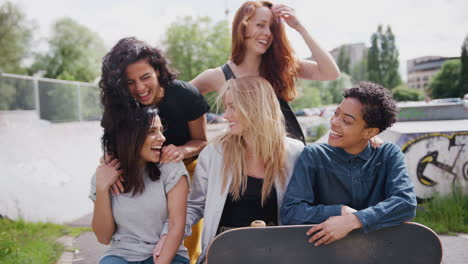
pixel 54 100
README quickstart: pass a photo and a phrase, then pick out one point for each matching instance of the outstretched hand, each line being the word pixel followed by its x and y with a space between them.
pixel 288 14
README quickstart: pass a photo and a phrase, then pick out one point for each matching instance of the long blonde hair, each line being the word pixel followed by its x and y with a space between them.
pixel 261 118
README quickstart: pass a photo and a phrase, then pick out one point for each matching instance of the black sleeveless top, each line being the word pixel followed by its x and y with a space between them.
pixel 242 212
pixel 293 129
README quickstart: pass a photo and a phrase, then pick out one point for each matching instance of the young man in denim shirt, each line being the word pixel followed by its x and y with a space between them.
pixel 346 184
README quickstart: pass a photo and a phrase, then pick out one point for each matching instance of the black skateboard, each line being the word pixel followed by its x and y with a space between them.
pixel 406 243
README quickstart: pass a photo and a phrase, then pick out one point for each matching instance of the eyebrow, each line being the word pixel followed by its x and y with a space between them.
pixel 338 108
pixel 262 20
pixel 350 116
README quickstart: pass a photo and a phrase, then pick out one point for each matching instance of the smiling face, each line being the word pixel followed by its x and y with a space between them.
pixel 151 150
pixel 143 84
pixel 259 36
pixel 349 131
pixel 231 114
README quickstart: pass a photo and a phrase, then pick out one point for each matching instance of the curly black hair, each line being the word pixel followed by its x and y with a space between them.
pixel 116 98
pixel 114 91
pixel 379 107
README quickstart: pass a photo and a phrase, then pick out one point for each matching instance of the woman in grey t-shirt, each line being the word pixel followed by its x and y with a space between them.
pixel 131 223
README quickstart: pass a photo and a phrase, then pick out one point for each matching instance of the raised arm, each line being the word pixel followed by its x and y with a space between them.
pixel 210 80
pixel 177 208
pixel 103 220
pixel 322 67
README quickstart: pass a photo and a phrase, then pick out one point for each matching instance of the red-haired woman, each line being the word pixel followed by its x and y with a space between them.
pixel 260 47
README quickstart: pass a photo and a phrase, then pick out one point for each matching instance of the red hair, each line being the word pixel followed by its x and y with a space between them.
pixel 278 65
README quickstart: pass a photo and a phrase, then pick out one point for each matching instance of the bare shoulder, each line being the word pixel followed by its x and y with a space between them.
pixel 209 80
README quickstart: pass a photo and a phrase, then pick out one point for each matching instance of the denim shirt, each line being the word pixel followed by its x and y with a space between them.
pixel 375 182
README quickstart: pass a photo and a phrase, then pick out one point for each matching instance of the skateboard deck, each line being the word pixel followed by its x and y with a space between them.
pixel 406 243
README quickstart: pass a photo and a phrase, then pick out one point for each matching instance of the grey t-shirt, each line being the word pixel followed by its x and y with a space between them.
pixel 139 219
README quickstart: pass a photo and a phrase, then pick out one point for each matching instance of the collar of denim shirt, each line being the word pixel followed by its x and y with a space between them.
pixel 365 154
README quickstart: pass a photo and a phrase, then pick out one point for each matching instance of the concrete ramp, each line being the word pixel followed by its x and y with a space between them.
pixel 46 167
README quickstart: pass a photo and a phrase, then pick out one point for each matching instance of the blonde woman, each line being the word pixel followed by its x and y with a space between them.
pixel 243 174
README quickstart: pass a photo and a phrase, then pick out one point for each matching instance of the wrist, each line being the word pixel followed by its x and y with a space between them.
pixel 102 191
pixel 298 27
pixel 355 222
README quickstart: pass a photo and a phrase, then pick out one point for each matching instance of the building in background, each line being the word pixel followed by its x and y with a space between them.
pixel 356 52
pixel 421 70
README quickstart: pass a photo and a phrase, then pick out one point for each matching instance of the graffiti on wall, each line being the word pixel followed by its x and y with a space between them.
pixel 436 161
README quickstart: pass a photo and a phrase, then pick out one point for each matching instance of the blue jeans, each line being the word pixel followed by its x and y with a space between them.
pixel 118 260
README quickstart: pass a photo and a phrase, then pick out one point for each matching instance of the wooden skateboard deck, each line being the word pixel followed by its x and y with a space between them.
pixel 406 243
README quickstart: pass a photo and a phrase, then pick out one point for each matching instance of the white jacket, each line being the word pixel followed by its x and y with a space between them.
pixel 206 198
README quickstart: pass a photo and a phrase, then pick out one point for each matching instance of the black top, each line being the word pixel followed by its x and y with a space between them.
pixel 182 102
pixel 249 208
pixel 293 128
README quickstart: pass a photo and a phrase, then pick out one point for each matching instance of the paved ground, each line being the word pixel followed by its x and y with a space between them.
pixel 89 250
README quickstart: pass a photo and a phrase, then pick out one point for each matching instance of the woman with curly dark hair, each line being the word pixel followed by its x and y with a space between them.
pixel 132 222
pixel 136 74
pixel 260 47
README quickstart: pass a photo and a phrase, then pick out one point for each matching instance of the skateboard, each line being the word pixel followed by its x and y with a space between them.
pixel 405 243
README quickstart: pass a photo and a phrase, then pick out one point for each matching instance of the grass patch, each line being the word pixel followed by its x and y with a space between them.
pixel 23 242
pixel 445 214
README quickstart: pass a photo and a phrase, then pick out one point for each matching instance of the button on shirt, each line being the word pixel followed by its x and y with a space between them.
pixel 375 182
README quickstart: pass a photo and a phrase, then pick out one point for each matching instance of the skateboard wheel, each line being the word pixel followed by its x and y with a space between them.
pixel 258 223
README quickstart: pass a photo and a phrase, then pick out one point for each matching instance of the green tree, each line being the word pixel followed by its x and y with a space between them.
pixel 344 60
pixel 403 93
pixel 382 64
pixel 194 45
pixel 445 83
pixel 308 95
pixel 15 38
pixel 15 43
pixel 317 93
pixel 464 68
pixel 75 53
pixel 359 71
pixel 336 87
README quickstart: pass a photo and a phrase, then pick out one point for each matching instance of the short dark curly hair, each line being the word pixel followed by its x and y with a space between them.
pixel 379 108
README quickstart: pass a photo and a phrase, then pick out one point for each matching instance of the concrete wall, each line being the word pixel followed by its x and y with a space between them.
pixel 433 111
pixel 436 154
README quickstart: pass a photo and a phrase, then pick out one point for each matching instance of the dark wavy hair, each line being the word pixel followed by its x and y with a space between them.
pixel 379 108
pixel 113 85
pixel 123 138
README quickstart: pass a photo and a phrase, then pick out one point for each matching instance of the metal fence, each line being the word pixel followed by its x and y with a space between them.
pixel 54 100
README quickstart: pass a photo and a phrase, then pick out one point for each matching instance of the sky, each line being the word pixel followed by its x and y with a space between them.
pixel 421 27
